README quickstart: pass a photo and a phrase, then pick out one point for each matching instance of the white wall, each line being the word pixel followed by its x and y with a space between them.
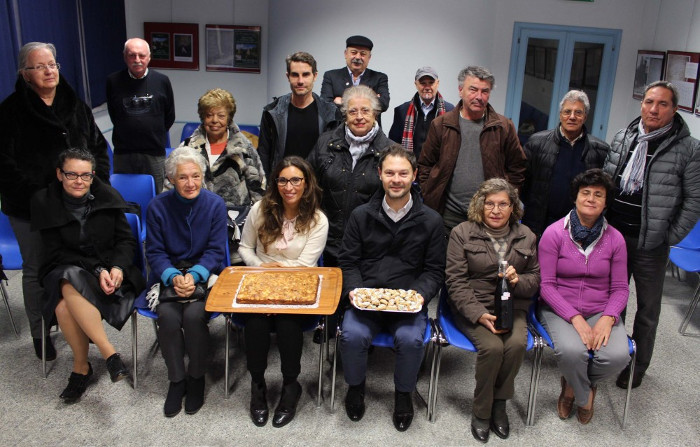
pixel 447 34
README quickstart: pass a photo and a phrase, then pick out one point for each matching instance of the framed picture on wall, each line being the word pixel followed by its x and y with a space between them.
pixel 650 68
pixel 233 48
pixel 682 71
pixel 173 45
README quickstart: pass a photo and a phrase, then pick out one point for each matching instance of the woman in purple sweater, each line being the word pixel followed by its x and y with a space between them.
pixel 584 289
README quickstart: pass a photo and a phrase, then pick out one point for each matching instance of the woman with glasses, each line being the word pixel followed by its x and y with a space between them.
pixel 39 120
pixel 87 271
pixel 285 229
pixel 584 289
pixel 346 160
pixel 492 234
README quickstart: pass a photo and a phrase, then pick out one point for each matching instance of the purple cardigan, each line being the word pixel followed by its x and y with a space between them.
pixel 573 283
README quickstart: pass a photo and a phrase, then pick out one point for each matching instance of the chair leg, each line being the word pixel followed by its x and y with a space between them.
pixel 434 377
pixel 335 364
pixel 134 346
pixel 629 384
pixel 5 296
pixel 43 346
pixel 683 329
pixel 534 380
pixel 322 322
pixel 226 354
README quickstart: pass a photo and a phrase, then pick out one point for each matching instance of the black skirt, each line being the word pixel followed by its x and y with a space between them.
pixel 115 308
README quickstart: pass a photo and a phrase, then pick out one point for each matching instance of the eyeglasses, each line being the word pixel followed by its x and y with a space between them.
pixel 295 181
pixel 576 113
pixel 363 111
pixel 501 206
pixel 74 176
pixel 42 67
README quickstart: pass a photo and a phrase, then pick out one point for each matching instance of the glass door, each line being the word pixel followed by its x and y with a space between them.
pixel 549 60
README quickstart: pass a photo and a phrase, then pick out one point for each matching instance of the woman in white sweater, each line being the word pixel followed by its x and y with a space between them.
pixel 285 229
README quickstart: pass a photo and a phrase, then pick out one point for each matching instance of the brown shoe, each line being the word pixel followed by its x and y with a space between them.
pixel 584 416
pixel 564 404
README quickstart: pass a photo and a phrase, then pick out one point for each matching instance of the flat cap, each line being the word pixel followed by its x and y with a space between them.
pixel 426 71
pixel 359 41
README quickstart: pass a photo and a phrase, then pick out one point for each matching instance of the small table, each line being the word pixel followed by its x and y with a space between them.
pixel 222 294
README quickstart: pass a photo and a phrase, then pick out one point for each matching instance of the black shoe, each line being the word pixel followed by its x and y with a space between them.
pixel 287 408
pixel 624 378
pixel 173 402
pixel 480 429
pixel 50 350
pixel 77 383
pixel 258 403
pixel 195 395
pixel 499 419
pixel 403 410
pixel 355 402
pixel 116 368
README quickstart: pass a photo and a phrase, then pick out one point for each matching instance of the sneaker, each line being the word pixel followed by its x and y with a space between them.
pixel 77 384
pixel 116 368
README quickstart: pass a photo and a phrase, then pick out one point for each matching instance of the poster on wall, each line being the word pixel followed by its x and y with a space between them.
pixel 173 45
pixel 650 68
pixel 233 48
pixel 682 71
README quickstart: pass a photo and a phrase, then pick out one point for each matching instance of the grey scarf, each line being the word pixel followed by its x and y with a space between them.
pixel 633 176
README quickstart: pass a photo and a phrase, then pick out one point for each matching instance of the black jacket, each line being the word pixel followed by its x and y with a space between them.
pixel 106 226
pixel 344 188
pixel 410 255
pixel 33 136
pixel 542 150
pixel 336 81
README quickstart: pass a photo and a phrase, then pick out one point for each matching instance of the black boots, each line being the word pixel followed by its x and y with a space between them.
pixel 173 402
pixel 287 408
pixel 195 394
pixel 116 368
pixel 77 383
pixel 258 403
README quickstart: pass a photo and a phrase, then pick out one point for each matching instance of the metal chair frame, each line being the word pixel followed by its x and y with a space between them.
pixel 687 259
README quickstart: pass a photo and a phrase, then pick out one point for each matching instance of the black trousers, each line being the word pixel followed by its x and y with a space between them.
pixel 290 341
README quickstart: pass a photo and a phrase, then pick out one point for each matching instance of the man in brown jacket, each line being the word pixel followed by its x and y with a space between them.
pixel 466 146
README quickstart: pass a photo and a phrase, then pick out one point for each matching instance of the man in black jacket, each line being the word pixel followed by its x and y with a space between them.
pixel 291 124
pixel 554 158
pixel 412 119
pixel 395 242
pixel 358 52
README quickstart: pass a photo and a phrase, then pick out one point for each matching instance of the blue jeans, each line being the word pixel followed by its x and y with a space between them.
pixel 360 327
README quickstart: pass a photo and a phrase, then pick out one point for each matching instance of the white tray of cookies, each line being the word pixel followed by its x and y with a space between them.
pixel 387 300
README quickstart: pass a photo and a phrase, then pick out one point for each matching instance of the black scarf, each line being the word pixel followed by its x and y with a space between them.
pixel 584 235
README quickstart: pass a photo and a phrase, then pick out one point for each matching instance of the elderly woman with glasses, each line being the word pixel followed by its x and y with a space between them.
pixel 87 270
pixel 185 245
pixel 346 160
pixel 583 292
pixel 285 229
pixel 39 120
pixel 492 234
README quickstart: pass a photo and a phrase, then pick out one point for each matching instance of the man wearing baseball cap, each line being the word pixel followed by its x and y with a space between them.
pixel 358 52
pixel 412 118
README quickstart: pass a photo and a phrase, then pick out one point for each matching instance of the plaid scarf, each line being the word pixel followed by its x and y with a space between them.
pixel 633 176
pixel 409 122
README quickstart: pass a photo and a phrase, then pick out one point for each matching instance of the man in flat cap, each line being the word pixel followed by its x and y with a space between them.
pixel 358 52
pixel 412 118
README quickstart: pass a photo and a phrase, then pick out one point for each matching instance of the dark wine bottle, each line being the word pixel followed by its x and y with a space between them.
pixel 503 300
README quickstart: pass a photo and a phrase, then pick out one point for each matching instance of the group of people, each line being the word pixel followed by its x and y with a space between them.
pixel 443 200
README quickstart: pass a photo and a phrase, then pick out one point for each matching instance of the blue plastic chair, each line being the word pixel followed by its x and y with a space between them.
pixel 447 334
pixel 11 260
pixel 535 324
pixel 187 130
pixel 137 188
pixel 688 260
pixel 381 340
pixel 692 240
pixel 110 155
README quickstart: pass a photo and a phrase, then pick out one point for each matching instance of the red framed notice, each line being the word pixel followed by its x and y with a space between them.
pixel 173 45
pixel 233 48
pixel 682 72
